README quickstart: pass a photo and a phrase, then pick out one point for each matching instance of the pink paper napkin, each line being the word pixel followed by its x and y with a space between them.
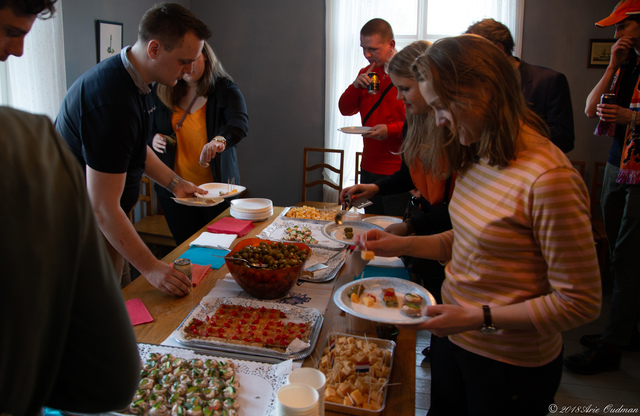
pixel 138 313
pixel 198 273
pixel 229 225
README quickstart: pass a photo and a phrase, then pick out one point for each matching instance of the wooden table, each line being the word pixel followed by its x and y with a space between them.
pixel 169 311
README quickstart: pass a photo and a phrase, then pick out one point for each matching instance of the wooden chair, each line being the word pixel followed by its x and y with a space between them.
pixel 579 166
pixel 152 228
pixel 597 222
pixel 308 182
pixel 358 157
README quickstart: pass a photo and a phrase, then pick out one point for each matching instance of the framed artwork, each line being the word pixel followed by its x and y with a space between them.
pixel 600 52
pixel 108 39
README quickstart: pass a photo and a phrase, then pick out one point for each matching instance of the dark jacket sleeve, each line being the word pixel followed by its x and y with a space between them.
pixel 400 181
pixel 231 119
pixel 547 94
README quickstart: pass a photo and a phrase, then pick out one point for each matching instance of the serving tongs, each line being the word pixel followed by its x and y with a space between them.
pixel 347 204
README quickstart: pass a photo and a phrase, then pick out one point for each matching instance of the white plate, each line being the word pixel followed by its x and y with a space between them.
pixel 335 232
pixel 199 202
pixel 378 312
pixel 251 217
pixel 355 130
pixel 252 205
pixel 382 220
pixel 213 190
pixel 259 382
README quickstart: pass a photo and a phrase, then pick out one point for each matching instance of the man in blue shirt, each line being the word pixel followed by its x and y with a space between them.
pixel 106 120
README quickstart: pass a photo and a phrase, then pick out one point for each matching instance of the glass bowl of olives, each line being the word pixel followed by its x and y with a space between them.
pixel 268 269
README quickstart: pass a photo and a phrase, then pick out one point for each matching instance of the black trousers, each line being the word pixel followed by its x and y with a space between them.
pixel 464 383
pixel 184 220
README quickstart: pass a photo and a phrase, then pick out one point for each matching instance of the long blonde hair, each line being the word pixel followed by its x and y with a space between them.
pixel 213 71
pixel 469 72
pixel 417 124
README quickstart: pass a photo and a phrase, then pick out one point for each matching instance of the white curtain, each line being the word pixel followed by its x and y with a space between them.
pixel 411 20
pixel 36 81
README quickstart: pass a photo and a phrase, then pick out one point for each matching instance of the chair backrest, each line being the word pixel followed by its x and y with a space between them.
pixel 579 166
pixel 145 200
pixel 596 189
pixel 306 168
pixel 358 157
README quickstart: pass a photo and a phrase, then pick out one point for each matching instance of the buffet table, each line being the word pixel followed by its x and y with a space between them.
pixel 168 312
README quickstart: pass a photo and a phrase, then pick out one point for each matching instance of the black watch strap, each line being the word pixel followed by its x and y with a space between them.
pixel 487 315
pixel 488 327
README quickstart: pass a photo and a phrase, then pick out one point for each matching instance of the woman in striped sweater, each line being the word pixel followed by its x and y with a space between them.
pixel 521 262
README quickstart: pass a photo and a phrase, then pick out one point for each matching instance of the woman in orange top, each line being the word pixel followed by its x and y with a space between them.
pixel 206 114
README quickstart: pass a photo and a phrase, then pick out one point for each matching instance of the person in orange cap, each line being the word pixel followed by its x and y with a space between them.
pixel 620 193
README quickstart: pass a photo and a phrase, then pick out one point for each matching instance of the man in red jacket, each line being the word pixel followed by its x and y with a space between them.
pixel 381 111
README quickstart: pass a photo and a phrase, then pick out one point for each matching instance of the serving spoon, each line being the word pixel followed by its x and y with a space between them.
pixel 254 265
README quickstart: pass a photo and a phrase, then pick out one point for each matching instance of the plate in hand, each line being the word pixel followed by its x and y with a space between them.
pixel 378 312
pixel 383 220
pixel 336 232
pixel 199 202
pixel 355 130
pixel 224 190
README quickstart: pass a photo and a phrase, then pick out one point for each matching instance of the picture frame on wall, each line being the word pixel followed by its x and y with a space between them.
pixel 108 39
pixel 600 52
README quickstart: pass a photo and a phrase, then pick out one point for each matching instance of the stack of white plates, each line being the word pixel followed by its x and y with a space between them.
pixel 253 209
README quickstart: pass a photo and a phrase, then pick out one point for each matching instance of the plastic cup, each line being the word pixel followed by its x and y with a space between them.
pixel 297 399
pixel 313 378
pixel 352 216
pixel 359 326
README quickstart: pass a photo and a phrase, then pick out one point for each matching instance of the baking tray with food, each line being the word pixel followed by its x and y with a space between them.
pixel 358 370
pixel 300 231
pixel 307 214
pixel 182 381
pixel 252 327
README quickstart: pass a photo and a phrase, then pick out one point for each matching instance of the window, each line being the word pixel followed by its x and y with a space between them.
pixel 36 82
pixel 411 20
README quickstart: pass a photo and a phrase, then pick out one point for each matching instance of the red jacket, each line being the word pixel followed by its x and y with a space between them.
pixel 380 157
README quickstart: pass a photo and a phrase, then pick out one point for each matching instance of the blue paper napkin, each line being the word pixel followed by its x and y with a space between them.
pixel 372 271
pixel 203 256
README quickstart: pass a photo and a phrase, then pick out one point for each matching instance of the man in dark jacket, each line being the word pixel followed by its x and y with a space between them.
pixel 546 91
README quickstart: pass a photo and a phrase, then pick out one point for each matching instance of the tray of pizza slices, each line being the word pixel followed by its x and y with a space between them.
pixel 252 327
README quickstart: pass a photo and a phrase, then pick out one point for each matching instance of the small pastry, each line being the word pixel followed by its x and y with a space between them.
pixel 389 298
pixel 413 298
pixel 368 300
pixel 411 309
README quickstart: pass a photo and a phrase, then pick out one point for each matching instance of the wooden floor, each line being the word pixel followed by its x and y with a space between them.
pixel 618 388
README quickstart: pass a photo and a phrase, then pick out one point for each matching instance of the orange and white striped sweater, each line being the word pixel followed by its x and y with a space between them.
pixel 523 234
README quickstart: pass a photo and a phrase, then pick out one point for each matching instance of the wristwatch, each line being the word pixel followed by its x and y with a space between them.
pixel 488 327
pixel 221 140
pixel 174 182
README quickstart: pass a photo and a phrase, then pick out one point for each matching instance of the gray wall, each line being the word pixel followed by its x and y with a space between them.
pixel 556 35
pixel 79 28
pixel 276 53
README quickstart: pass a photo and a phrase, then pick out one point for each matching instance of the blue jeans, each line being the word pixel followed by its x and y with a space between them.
pixel 394 205
pixel 621 212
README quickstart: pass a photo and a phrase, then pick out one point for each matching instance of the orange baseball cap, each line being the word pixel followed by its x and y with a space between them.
pixel 623 9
